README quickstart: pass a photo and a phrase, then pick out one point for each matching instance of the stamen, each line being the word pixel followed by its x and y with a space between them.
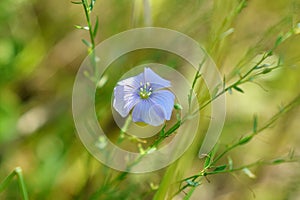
pixel 145 90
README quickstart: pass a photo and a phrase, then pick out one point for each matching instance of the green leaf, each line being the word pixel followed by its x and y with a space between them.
pixel 96 27
pixel 262 66
pixel 266 70
pixel 78 27
pixel 76 2
pixel 269 53
pixel 189 194
pixel 278 161
pixel 207 160
pixel 82 27
pixel 230 163
pixel 220 168
pixel 249 173
pixel 241 6
pixel 245 140
pixel 279 61
pixel 87 43
pixel 92 5
pixel 215 92
pixel 255 124
pixel 278 41
pixel 238 89
pixel 229 90
pixel 227 33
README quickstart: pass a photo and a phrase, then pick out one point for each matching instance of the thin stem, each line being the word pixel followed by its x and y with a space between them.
pixel 7 180
pixel 225 89
pixel 256 163
pixel 275 117
pixel 235 84
pixel 196 77
pixel 205 172
pixel 91 50
pixel 16 172
pixel 87 12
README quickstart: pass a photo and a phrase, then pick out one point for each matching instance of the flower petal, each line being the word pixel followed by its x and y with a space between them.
pixel 125 98
pixel 155 80
pixel 133 82
pixel 165 99
pixel 146 111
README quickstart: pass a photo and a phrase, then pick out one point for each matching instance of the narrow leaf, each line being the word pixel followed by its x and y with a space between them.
pixel 278 41
pixel 82 27
pixel 76 2
pixel 262 66
pixel 255 124
pixel 241 6
pixel 249 173
pixel 269 53
pixel 245 140
pixel 227 33
pixel 230 163
pixel 87 43
pixel 279 61
pixel 189 194
pixel 238 89
pixel 92 5
pixel 220 168
pixel 278 161
pixel 266 70
pixel 215 92
pixel 207 160
pixel 96 27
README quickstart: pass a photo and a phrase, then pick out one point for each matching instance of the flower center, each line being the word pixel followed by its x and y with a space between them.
pixel 145 90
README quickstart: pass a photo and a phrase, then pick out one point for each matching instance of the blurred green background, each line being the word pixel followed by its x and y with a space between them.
pixel 41 51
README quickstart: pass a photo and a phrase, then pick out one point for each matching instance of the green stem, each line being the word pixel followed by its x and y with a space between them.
pixel 16 172
pixel 91 49
pixel 271 121
pixel 197 76
pixel 235 84
pixel 88 19
pixel 205 172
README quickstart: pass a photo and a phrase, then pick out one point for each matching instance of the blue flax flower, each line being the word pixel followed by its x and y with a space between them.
pixel 146 94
